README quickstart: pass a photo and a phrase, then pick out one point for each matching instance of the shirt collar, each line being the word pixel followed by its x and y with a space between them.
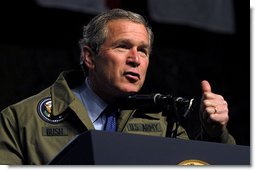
pixel 93 103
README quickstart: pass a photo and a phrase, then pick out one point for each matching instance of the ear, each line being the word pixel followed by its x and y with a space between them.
pixel 88 57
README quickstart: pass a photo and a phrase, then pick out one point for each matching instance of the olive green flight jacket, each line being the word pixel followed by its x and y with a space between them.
pixel 36 129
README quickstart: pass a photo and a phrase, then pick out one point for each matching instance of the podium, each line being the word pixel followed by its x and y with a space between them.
pixel 114 148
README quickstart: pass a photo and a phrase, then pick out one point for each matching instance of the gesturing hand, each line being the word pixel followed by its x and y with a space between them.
pixel 213 110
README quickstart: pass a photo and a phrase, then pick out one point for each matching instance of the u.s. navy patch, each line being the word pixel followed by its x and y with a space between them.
pixel 145 127
pixel 44 109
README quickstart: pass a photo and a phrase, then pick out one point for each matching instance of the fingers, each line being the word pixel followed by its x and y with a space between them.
pixel 214 101
pixel 221 118
pixel 216 109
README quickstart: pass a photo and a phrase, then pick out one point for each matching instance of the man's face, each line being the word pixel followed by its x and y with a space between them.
pixel 123 59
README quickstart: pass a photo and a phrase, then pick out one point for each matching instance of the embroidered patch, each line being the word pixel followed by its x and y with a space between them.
pixel 54 131
pixel 44 109
pixel 148 127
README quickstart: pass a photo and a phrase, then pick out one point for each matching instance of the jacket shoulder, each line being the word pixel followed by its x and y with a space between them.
pixel 27 104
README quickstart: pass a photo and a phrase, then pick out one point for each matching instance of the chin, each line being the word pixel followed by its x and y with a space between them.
pixel 130 90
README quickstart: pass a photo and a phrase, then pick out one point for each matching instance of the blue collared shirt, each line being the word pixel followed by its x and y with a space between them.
pixel 93 104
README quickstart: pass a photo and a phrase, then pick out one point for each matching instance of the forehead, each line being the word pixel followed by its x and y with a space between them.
pixel 125 27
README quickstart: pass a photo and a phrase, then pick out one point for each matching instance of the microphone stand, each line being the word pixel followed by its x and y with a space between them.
pixel 176 110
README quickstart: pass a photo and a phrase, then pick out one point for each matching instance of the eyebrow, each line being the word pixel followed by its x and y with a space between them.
pixel 127 41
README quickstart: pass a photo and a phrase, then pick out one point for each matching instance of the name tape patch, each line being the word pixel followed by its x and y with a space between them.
pixel 54 131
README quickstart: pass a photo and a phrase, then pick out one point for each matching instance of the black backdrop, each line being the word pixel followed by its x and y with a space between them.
pixel 37 43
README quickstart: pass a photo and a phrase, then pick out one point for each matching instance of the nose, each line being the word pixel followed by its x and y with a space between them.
pixel 133 58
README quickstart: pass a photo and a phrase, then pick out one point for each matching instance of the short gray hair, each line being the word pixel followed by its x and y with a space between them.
pixel 94 34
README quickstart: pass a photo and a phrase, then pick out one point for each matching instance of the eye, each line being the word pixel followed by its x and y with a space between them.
pixel 144 51
pixel 123 45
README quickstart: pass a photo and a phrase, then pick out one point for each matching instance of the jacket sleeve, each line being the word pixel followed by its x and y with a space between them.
pixel 195 130
pixel 224 137
pixel 10 146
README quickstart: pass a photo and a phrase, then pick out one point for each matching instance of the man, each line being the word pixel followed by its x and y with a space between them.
pixel 115 51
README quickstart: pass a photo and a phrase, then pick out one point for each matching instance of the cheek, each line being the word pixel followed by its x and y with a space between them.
pixel 113 69
pixel 145 67
pixel 107 64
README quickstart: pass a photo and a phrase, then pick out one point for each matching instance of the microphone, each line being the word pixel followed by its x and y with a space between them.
pixel 157 100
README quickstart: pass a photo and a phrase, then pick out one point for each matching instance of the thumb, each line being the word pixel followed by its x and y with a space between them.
pixel 206 87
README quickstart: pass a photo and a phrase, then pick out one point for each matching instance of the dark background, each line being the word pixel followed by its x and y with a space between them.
pixel 37 43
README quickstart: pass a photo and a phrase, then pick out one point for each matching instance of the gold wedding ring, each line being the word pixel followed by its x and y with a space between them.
pixel 215 109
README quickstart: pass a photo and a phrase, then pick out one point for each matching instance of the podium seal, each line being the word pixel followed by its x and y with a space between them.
pixel 193 162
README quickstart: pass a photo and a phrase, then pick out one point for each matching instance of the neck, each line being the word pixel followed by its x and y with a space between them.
pixel 105 96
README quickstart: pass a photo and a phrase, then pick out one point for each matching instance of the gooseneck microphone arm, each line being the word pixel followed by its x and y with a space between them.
pixel 160 101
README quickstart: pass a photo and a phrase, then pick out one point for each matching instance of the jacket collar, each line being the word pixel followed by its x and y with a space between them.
pixel 62 96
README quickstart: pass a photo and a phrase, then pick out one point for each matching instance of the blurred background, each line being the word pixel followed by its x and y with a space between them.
pixel 194 40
